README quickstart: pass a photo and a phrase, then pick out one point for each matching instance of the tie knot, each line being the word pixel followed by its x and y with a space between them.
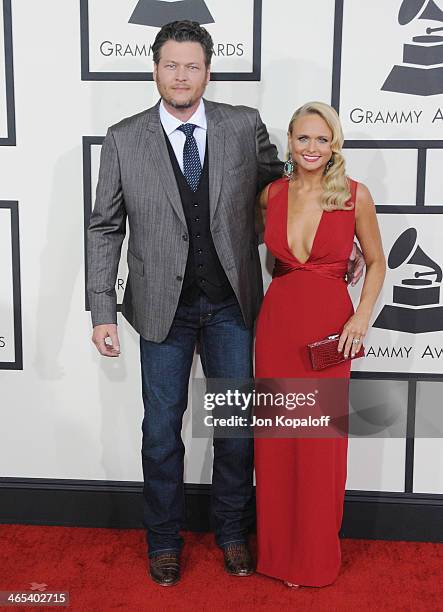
pixel 187 129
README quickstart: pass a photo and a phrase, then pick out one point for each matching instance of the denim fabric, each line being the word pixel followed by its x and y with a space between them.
pixel 226 352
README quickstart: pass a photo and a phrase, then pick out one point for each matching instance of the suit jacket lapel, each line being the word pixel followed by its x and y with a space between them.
pixel 159 156
pixel 216 146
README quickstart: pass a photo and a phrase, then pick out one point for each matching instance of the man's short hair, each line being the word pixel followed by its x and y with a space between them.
pixel 184 31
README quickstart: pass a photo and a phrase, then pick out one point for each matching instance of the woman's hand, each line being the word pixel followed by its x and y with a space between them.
pixel 353 333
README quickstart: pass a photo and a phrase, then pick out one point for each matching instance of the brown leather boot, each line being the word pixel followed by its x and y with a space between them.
pixel 164 568
pixel 238 560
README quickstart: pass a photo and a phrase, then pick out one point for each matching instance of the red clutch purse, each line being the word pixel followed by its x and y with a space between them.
pixel 324 353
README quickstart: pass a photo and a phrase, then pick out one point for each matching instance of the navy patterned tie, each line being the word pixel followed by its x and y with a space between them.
pixel 192 167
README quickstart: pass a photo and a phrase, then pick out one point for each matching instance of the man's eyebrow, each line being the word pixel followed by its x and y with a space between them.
pixel 173 61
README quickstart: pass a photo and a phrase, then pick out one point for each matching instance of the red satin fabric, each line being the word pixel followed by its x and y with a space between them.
pixel 301 482
pixel 329 270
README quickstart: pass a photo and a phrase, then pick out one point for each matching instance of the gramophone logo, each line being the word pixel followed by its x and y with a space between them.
pixel 158 12
pixel 421 72
pixel 117 37
pixel 416 304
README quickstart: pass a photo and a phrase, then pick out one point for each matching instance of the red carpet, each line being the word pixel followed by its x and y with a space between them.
pixel 106 570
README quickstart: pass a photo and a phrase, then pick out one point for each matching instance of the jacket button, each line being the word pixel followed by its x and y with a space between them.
pixel 179 278
pixel 185 237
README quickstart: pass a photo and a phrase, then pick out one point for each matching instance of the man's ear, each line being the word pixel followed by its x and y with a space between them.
pixel 154 73
pixel 208 74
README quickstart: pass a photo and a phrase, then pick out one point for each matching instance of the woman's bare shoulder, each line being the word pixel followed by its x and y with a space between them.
pixel 363 194
pixel 361 191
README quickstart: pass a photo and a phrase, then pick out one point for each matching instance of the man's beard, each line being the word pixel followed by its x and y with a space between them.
pixel 179 105
pixel 167 95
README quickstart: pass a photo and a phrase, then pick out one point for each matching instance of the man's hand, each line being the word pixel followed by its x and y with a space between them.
pixel 356 265
pixel 99 335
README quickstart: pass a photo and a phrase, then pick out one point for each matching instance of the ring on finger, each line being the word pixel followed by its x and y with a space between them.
pixel 356 341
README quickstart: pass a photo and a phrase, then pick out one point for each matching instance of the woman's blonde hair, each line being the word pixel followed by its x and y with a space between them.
pixel 335 183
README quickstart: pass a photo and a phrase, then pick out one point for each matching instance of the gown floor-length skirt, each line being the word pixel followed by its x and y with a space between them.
pixel 301 481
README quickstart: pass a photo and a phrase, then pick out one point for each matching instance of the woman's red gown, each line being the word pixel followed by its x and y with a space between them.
pixel 301 482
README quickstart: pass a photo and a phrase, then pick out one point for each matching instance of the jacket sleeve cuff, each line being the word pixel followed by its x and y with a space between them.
pixel 103 308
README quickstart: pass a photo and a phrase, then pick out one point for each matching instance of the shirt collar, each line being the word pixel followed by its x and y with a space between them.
pixel 171 123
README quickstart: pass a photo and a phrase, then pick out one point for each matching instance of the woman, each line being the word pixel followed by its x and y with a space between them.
pixel 310 217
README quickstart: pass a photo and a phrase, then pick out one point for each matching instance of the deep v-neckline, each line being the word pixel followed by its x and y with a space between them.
pixel 286 232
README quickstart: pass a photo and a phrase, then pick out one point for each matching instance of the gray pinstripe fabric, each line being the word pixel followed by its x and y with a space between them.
pixel 136 181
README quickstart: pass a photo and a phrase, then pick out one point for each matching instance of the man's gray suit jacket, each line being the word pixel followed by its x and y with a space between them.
pixel 136 182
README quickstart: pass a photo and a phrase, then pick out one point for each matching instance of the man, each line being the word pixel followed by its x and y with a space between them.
pixel 185 173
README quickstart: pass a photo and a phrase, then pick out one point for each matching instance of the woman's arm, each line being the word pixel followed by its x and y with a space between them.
pixel 261 205
pixel 368 234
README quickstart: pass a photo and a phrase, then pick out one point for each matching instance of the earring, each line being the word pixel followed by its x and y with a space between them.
pixel 288 169
pixel 329 165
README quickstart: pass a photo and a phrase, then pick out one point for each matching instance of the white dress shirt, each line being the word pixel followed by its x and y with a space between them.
pixel 178 138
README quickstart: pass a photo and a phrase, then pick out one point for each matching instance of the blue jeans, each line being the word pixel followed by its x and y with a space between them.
pixel 226 352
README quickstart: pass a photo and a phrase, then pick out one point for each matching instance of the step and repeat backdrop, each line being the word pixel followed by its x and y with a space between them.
pixel 68 413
